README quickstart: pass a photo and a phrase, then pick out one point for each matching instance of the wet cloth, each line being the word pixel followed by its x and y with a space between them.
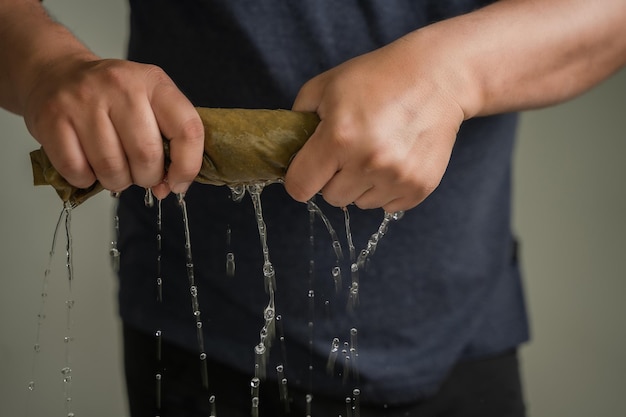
pixel 241 146
pixel 444 284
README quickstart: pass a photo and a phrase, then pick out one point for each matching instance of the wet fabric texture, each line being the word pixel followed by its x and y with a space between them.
pixel 241 146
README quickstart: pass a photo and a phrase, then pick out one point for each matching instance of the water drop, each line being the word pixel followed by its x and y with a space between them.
pixel 237 192
pixel 260 360
pixel 37 347
pixel 212 405
pixel 336 273
pixel 348 407
pixel 337 249
pixel 397 215
pixel 31 386
pixel 309 402
pixel 202 356
pixel 353 335
pixel 268 314
pixel 230 264
pixel 254 386
pixel 284 395
pixel 356 393
pixel 255 407
pixel 148 198
pixel 332 357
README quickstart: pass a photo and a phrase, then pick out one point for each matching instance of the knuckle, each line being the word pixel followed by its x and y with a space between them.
pixel 148 154
pixel 192 130
pixel 76 173
pixel 345 136
pixel 155 74
pixel 108 167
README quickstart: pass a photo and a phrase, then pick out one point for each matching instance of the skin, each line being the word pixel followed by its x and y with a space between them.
pixel 389 118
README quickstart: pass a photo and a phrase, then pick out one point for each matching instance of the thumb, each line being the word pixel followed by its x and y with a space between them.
pixel 311 168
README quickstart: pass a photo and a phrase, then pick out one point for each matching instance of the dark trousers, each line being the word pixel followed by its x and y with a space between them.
pixel 481 388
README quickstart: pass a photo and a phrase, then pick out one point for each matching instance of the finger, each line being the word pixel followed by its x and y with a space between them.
pixel 401 204
pixel 179 122
pixel 64 150
pixel 344 188
pixel 375 197
pixel 310 169
pixel 161 190
pixel 140 137
pixel 104 151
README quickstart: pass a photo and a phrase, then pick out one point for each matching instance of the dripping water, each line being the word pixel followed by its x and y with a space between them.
pixel 66 371
pixel 193 290
pixel 373 241
pixel 267 332
pixel 281 338
pixel 333 234
pixel 114 252
pixel 212 406
pixel 312 213
pixel 346 216
pixel 230 255
pixel 149 201
pixel 348 406
pixel 254 395
pixel 332 357
pixel 356 402
pixel 282 387
pixel 41 315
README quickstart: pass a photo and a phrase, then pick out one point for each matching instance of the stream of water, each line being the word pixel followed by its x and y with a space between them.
pixel 343 355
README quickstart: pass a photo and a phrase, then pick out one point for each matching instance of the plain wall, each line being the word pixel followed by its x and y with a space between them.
pixel 569 204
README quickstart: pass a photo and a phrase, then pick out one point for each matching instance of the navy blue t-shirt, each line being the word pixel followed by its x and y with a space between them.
pixel 443 285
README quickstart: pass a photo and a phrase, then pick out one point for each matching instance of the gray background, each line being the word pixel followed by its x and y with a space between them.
pixel 570 202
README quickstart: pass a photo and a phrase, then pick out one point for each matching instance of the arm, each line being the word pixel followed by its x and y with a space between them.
pixel 389 118
pixel 96 118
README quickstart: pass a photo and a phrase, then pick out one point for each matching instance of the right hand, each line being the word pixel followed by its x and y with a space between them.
pixel 103 119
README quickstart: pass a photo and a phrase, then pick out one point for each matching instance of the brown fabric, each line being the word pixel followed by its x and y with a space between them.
pixel 241 146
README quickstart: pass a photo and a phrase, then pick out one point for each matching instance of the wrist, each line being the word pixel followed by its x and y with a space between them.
pixel 435 56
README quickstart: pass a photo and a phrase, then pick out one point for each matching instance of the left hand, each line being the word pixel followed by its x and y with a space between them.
pixel 388 125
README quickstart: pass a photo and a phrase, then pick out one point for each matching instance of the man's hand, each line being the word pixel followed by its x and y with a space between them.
pixel 389 118
pixel 96 119
pixel 103 119
pixel 385 136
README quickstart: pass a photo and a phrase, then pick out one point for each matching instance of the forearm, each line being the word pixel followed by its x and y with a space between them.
pixel 523 54
pixel 29 41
